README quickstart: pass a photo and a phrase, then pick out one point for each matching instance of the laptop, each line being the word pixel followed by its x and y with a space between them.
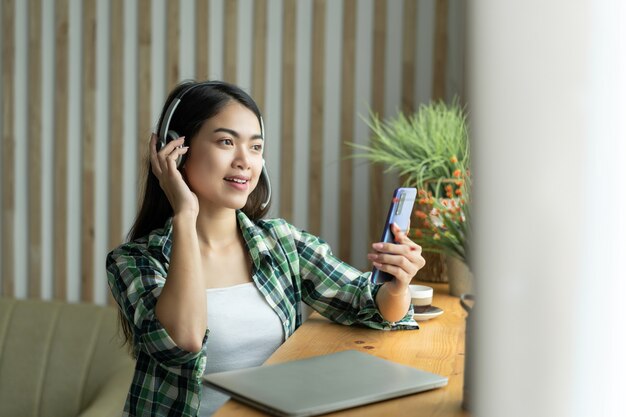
pixel 322 384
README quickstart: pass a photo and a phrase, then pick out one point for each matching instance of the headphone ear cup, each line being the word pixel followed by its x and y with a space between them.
pixel 161 142
pixel 170 136
pixel 266 177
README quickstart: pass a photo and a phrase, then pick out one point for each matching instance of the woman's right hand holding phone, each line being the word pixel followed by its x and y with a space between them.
pixel 171 180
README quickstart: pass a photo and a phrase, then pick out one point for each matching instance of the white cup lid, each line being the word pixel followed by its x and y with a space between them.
pixel 420 291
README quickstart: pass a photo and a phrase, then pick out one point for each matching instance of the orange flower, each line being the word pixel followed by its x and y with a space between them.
pixel 457 173
pixel 418 233
pixel 459 183
pixel 458 191
pixel 454 160
pixel 421 193
pixel 420 214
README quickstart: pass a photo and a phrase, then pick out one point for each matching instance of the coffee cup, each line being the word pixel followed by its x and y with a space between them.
pixel 421 297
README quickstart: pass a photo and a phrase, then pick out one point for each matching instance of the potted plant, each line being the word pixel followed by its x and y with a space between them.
pixel 430 151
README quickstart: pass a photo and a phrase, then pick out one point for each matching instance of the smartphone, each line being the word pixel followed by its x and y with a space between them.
pixel 400 213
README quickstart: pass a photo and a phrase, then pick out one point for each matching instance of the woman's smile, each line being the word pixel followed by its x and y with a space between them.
pixel 238 182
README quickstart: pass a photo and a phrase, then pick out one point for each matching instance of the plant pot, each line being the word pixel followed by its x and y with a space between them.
pixel 460 278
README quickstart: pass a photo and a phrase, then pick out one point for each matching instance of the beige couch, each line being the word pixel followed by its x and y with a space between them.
pixel 61 359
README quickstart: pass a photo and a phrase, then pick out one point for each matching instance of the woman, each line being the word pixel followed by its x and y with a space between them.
pixel 206 285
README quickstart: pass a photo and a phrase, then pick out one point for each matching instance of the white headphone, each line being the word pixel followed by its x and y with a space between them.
pixel 166 135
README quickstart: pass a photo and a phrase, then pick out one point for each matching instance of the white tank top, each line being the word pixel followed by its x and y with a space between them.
pixel 244 332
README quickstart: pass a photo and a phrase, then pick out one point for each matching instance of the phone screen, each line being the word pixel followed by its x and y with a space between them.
pixel 400 211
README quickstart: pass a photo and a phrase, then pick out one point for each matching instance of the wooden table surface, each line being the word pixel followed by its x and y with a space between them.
pixel 437 347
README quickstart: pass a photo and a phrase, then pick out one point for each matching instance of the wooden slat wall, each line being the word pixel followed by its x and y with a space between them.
pixel 230 41
pixel 409 41
pixel 34 149
pixel 60 149
pixel 317 116
pixel 173 44
pixel 8 147
pixel 202 39
pixel 441 50
pixel 347 127
pixel 288 106
pixel 259 52
pixel 377 196
pixel 88 133
pixel 116 123
pixel 144 82
pixel 310 99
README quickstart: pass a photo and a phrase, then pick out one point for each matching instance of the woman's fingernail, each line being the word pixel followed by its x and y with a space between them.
pixel 372 256
pixel 377 245
pixel 376 264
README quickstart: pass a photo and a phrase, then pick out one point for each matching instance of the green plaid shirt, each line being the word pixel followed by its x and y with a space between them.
pixel 289 266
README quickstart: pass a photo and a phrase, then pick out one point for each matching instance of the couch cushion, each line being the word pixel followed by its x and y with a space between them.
pixel 55 356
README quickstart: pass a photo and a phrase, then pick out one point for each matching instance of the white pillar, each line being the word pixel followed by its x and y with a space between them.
pixel 546 84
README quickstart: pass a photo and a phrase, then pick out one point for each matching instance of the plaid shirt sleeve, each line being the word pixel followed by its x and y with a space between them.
pixel 337 290
pixel 167 378
pixel 136 279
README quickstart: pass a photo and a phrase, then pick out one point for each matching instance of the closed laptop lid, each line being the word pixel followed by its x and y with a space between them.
pixel 322 384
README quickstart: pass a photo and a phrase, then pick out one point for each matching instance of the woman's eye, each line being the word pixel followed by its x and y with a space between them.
pixel 257 148
pixel 225 142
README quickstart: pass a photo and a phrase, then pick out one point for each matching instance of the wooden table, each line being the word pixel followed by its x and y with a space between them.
pixel 437 347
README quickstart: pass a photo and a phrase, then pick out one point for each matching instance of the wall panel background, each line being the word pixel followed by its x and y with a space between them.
pixel 83 82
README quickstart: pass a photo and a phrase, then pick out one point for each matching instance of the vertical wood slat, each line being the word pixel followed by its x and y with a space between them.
pixel 34 148
pixel 347 127
pixel 60 149
pixel 202 39
pixel 440 50
pixel 408 56
pixel 144 83
pixel 8 147
pixel 377 199
pixel 88 133
pixel 288 109
pixel 317 116
pixel 173 44
pixel 434 261
pixel 116 111
pixel 259 53
pixel 230 41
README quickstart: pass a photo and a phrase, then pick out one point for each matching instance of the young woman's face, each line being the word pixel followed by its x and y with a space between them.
pixel 225 158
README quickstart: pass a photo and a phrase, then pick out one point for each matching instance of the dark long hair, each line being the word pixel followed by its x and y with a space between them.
pixel 202 101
